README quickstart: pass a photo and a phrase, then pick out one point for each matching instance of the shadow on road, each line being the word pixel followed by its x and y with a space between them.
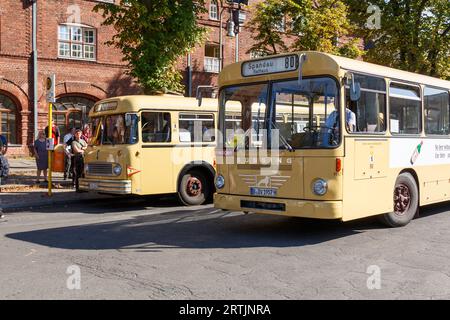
pixel 202 228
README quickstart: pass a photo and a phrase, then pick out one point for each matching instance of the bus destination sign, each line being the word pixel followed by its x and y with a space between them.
pixel 270 65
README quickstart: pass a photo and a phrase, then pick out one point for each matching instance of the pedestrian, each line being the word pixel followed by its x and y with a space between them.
pixel 41 155
pixel 86 133
pixel 78 148
pixel 55 133
pixel 4 165
pixel 68 155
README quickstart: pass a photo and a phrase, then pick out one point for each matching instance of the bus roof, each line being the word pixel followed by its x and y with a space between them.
pixel 134 103
pixel 319 63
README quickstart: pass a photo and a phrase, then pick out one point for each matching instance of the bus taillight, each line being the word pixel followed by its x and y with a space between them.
pixel 338 165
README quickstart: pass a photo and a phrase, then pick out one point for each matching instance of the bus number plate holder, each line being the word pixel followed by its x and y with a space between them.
pixel 93 186
pixel 263 192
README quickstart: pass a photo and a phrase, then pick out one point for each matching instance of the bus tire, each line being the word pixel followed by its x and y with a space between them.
pixel 406 202
pixel 194 188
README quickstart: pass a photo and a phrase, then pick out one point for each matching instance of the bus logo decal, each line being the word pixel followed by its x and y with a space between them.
pixel 256 181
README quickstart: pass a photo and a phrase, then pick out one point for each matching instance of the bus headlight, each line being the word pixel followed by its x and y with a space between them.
pixel 117 169
pixel 86 168
pixel 220 181
pixel 320 187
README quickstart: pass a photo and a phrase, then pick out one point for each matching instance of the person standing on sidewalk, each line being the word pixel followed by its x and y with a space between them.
pixel 68 159
pixel 41 155
pixel 4 165
pixel 78 148
pixel 55 133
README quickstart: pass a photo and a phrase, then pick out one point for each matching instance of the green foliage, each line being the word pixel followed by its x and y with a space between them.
pixel 153 35
pixel 414 35
pixel 309 24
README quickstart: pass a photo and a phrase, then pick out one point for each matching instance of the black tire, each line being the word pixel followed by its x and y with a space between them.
pixel 406 202
pixel 194 189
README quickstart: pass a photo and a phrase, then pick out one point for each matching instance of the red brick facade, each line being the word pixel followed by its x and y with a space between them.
pixel 95 79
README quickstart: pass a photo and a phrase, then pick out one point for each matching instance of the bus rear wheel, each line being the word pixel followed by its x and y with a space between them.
pixel 194 188
pixel 406 202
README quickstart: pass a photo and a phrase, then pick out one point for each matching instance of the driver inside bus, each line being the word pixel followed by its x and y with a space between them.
pixel 332 125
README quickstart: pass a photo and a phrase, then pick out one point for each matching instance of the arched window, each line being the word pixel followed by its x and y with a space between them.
pixel 8 117
pixel 213 10
pixel 71 111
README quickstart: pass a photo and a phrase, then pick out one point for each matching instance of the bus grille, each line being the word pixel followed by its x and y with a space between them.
pixel 100 169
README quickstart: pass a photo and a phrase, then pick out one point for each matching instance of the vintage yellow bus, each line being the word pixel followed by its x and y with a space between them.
pixel 147 145
pixel 321 136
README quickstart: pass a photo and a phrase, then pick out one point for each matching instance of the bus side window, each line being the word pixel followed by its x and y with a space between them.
pixel 156 127
pixel 370 109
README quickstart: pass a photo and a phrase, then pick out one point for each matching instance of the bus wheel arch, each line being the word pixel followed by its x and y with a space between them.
pixel 405 200
pixel 195 183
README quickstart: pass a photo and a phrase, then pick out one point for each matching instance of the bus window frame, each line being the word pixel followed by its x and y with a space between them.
pixel 196 113
pixel 339 87
pixel 147 144
pixel 423 111
pixel 221 123
pixel 410 84
pixel 362 133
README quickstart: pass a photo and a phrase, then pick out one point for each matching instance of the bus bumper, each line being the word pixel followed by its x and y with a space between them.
pixel 106 186
pixel 285 207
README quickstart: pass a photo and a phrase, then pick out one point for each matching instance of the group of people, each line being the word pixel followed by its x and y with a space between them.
pixel 75 144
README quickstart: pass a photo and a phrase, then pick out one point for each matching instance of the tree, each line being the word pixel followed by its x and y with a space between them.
pixel 153 35
pixel 412 35
pixel 308 24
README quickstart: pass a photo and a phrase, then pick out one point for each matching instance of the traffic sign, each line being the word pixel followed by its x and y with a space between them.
pixel 50 144
pixel 50 86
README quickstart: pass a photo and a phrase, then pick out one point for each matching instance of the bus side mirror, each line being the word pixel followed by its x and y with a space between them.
pixel 128 119
pixel 355 91
pixel 355 87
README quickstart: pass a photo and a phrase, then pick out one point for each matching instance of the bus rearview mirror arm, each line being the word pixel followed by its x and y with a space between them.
pixel 301 61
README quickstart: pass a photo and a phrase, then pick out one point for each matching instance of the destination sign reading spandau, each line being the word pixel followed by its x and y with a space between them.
pixel 270 65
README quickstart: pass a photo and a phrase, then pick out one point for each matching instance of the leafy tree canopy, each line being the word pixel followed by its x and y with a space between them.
pixel 152 35
pixel 308 24
pixel 412 35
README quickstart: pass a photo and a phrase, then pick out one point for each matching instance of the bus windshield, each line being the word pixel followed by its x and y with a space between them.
pixel 301 114
pixel 305 114
pixel 115 129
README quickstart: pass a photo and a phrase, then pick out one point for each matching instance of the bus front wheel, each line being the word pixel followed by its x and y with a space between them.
pixel 406 201
pixel 194 188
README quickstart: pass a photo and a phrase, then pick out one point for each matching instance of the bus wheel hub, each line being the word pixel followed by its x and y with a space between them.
pixel 402 199
pixel 194 187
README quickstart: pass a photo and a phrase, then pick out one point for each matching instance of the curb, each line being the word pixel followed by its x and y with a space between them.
pixel 49 202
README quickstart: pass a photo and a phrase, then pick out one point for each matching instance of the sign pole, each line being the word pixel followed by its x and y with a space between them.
pixel 51 98
pixel 50 152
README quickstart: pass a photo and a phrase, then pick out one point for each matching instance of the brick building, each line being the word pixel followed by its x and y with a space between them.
pixel 70 43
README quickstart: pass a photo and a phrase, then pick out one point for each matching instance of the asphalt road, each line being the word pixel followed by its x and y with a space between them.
pixel 155 249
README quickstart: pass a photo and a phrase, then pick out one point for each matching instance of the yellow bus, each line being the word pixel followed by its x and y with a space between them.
pixel 147 145
pixel 327 137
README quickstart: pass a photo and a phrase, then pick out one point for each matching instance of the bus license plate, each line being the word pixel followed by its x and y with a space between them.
pixel 263 192
pixel 93 186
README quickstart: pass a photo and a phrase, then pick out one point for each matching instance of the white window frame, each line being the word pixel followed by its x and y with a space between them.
pixel 88 49
pixel 214 10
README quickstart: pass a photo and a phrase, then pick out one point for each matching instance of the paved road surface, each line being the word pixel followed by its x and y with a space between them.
pixel 152 248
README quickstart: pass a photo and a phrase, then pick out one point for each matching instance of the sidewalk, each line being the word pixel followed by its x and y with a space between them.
pixel 20 190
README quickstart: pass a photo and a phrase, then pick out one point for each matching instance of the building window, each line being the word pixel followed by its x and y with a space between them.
pixel 71 112
pixel 77 42
pixel 8 112
pixel 213 10
pixel 212 60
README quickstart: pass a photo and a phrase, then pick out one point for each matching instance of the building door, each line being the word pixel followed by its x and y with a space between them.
pixel 71 111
